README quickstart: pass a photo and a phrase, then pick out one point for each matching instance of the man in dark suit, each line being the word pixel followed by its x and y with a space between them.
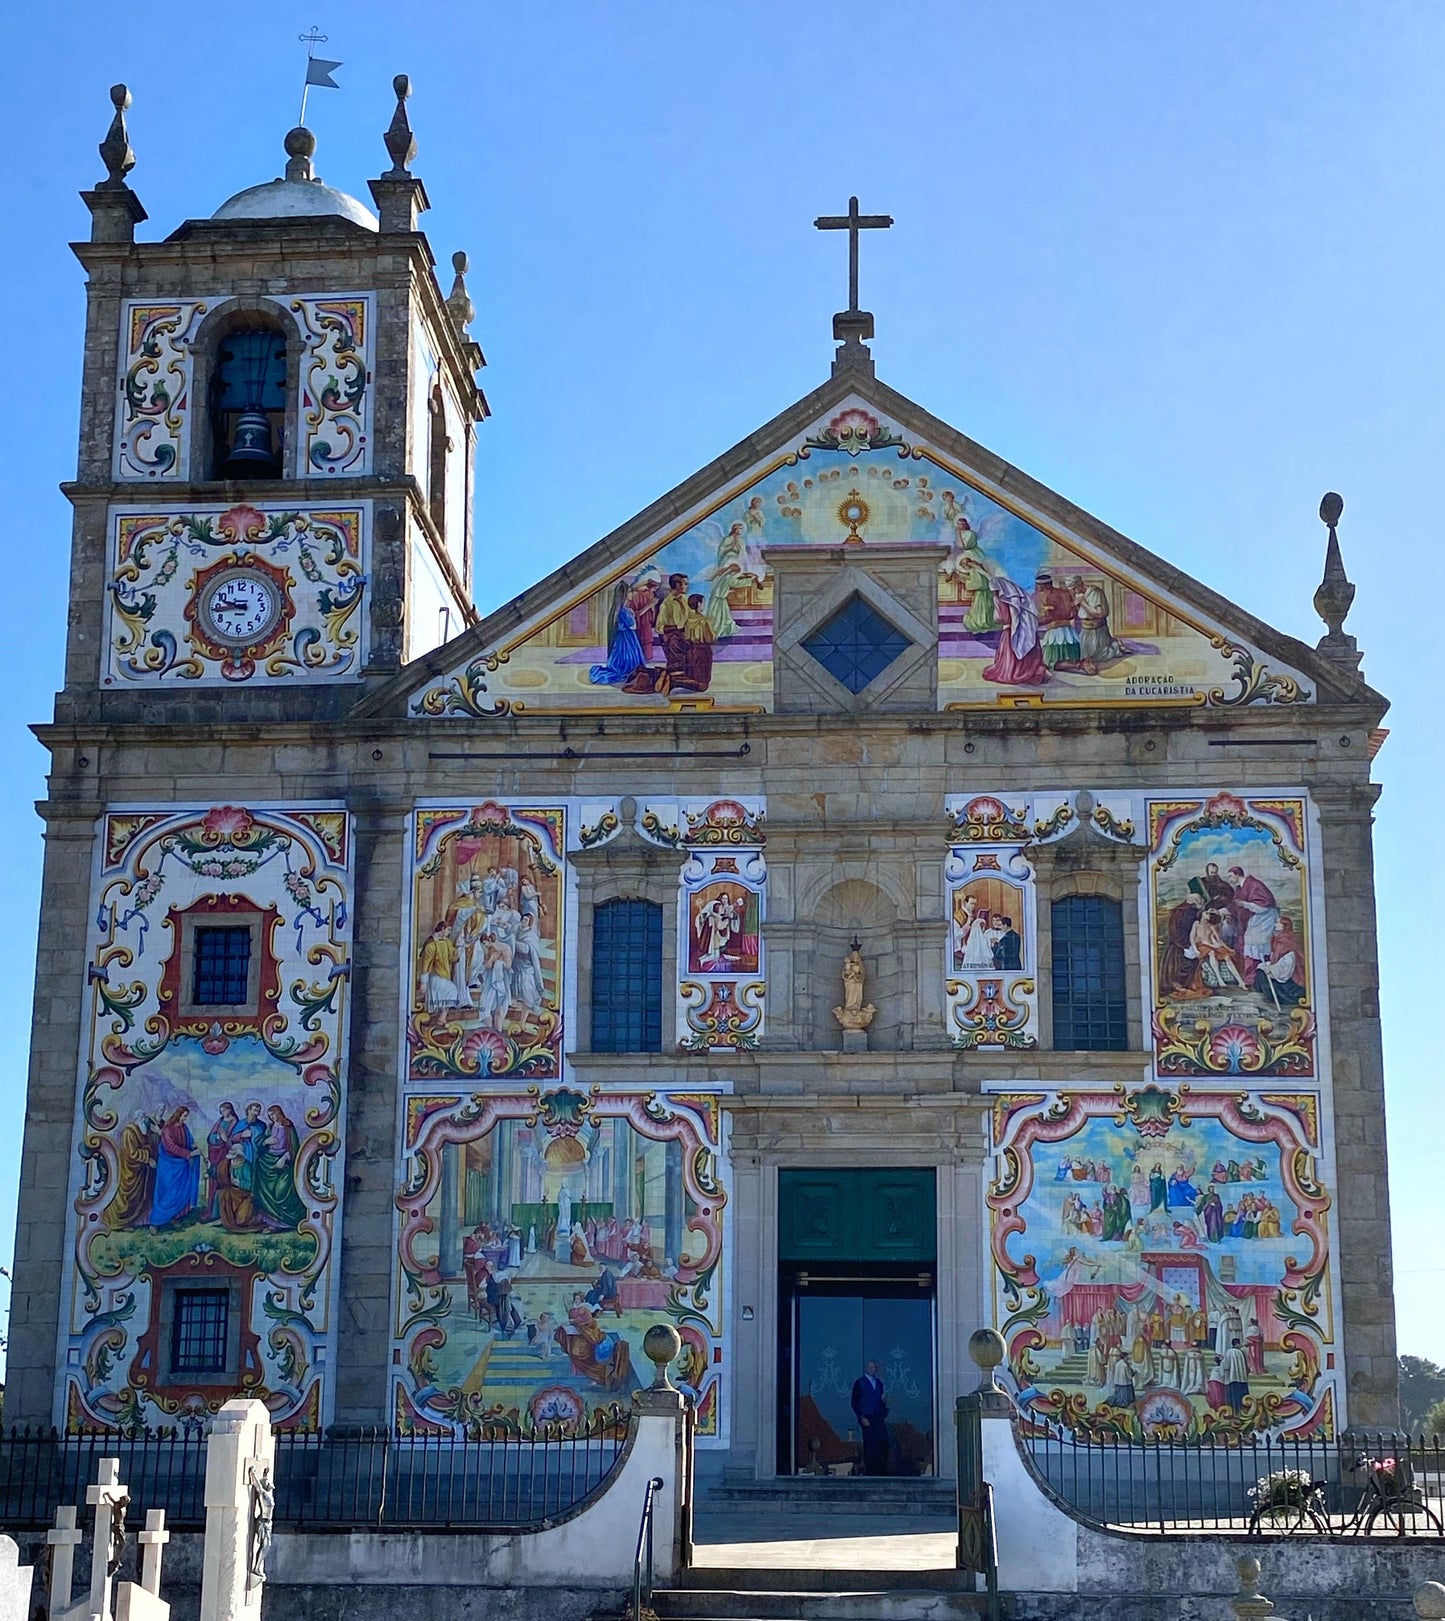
pixel 872 1412
pixel 1008 951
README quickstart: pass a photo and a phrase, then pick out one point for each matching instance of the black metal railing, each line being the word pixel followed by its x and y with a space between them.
pixel 1381 1485
pixel 643 1563
pixel 496 1477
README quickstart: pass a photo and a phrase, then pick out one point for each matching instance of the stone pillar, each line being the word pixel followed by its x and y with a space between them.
pixel 240 1471
pixel 1357 1081
pixel 373 1172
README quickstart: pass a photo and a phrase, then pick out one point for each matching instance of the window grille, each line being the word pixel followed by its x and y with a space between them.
pixel 201 1331
pixel 1090 1002
pixel 856 644
pixel 627 977
pixel 221 965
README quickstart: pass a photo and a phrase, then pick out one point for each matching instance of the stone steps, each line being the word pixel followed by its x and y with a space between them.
pixel 819 1494
pixel 821 1595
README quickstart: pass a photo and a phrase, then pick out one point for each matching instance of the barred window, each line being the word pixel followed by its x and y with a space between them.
pixel 201 1331
pixel 627 977
pixel 221 965
pixel 1090 1005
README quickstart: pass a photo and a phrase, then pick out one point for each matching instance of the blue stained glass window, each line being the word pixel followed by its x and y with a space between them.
pixel 856 644
pixel 627 977
pixel 1091 1012
pixel 221 966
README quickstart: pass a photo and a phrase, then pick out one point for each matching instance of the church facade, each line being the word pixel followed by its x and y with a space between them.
pixel 862 898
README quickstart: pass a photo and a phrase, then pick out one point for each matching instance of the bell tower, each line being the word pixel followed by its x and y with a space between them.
pixel 273 492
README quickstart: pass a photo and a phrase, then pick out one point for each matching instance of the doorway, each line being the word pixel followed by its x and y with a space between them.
pixel 857 1289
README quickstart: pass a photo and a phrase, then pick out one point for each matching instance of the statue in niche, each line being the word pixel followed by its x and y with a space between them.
pixel 854 1014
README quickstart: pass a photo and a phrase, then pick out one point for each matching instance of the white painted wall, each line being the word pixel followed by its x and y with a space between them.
pixel 594 1549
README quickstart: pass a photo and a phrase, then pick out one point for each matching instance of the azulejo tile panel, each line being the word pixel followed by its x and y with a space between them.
pixel 722 901
pixel 1229 914
pixel 540 1234
pixel 1029 613
pixel 487 968
pixel 222 595
pixel 209 1138
pixel 1161 1262
pixel 336 393
pixel 154 405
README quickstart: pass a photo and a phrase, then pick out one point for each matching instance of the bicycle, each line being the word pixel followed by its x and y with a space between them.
pixel 1391 1496
pixel 1288 1502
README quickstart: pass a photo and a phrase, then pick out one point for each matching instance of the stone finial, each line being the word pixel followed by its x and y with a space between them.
pixel 300 149
pixel 1250 1602
pixel 987 1350
pixel 1335 592
pixel 115 150
pixel 400 142
pixel 1429 1600
pixel 115 210
pixel 400 197
pixel 662 1344
pixel 459 300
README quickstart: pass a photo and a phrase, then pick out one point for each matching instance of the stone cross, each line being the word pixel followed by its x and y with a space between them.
pixel 141 1601
pixel 110 1499
pixel 852 222
pixel 240 1464
pixel 64 1539
pixel 152 1540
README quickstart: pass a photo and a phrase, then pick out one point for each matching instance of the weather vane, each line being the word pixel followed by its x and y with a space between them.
pixel 318 69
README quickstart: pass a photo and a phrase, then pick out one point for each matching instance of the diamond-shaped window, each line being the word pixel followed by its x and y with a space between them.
pixel 856 644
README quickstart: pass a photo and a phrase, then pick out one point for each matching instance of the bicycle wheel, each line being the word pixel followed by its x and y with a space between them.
pixel 1402 1518
pixel 1284 1519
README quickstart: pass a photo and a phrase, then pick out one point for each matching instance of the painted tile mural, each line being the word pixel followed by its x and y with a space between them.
pixel 1025 615
pixel 209 1132
pixel 990 976
pixel 212 595
pixel 1161 1262
pixel 157 369
pixel 335 382
pixel 540 1234
pixel 722 895
pixel 1229 916
pixel 488 911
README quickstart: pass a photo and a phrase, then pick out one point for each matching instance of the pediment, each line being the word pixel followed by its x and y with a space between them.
pixel 1038 604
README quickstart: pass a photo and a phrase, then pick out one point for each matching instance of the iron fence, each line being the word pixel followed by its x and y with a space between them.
pixel 494 1477
pixel 1381 1485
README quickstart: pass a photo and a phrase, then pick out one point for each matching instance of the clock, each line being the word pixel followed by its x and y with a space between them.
pixel 239 607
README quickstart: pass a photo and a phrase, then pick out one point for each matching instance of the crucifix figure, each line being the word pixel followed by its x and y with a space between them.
pixel 852 325
pixel 110 1499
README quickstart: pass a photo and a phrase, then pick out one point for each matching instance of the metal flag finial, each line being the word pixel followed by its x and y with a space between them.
pixel 318 69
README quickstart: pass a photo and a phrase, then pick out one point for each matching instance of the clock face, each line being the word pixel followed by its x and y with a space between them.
pixel 240 607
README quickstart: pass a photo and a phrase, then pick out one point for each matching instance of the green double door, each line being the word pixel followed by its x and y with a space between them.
pixel 857 1296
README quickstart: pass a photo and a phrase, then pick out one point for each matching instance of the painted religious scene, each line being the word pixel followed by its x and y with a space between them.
pixel 488 906
pixel 1161 1264
pixel 540 1237
pixel 1230 913
pixel 1024 615
pixel 207 1179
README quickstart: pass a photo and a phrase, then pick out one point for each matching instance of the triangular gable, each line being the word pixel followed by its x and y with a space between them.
pixel 1039 604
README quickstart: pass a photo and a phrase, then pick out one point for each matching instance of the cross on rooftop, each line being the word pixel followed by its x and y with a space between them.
pixel 852 222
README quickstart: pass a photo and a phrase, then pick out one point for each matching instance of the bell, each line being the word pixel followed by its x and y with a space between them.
pixel 251 454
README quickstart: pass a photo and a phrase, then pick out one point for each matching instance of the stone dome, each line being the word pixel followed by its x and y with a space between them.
pixel 299 195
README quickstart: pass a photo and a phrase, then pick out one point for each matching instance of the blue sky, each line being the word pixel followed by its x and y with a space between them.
pixel 1179 263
